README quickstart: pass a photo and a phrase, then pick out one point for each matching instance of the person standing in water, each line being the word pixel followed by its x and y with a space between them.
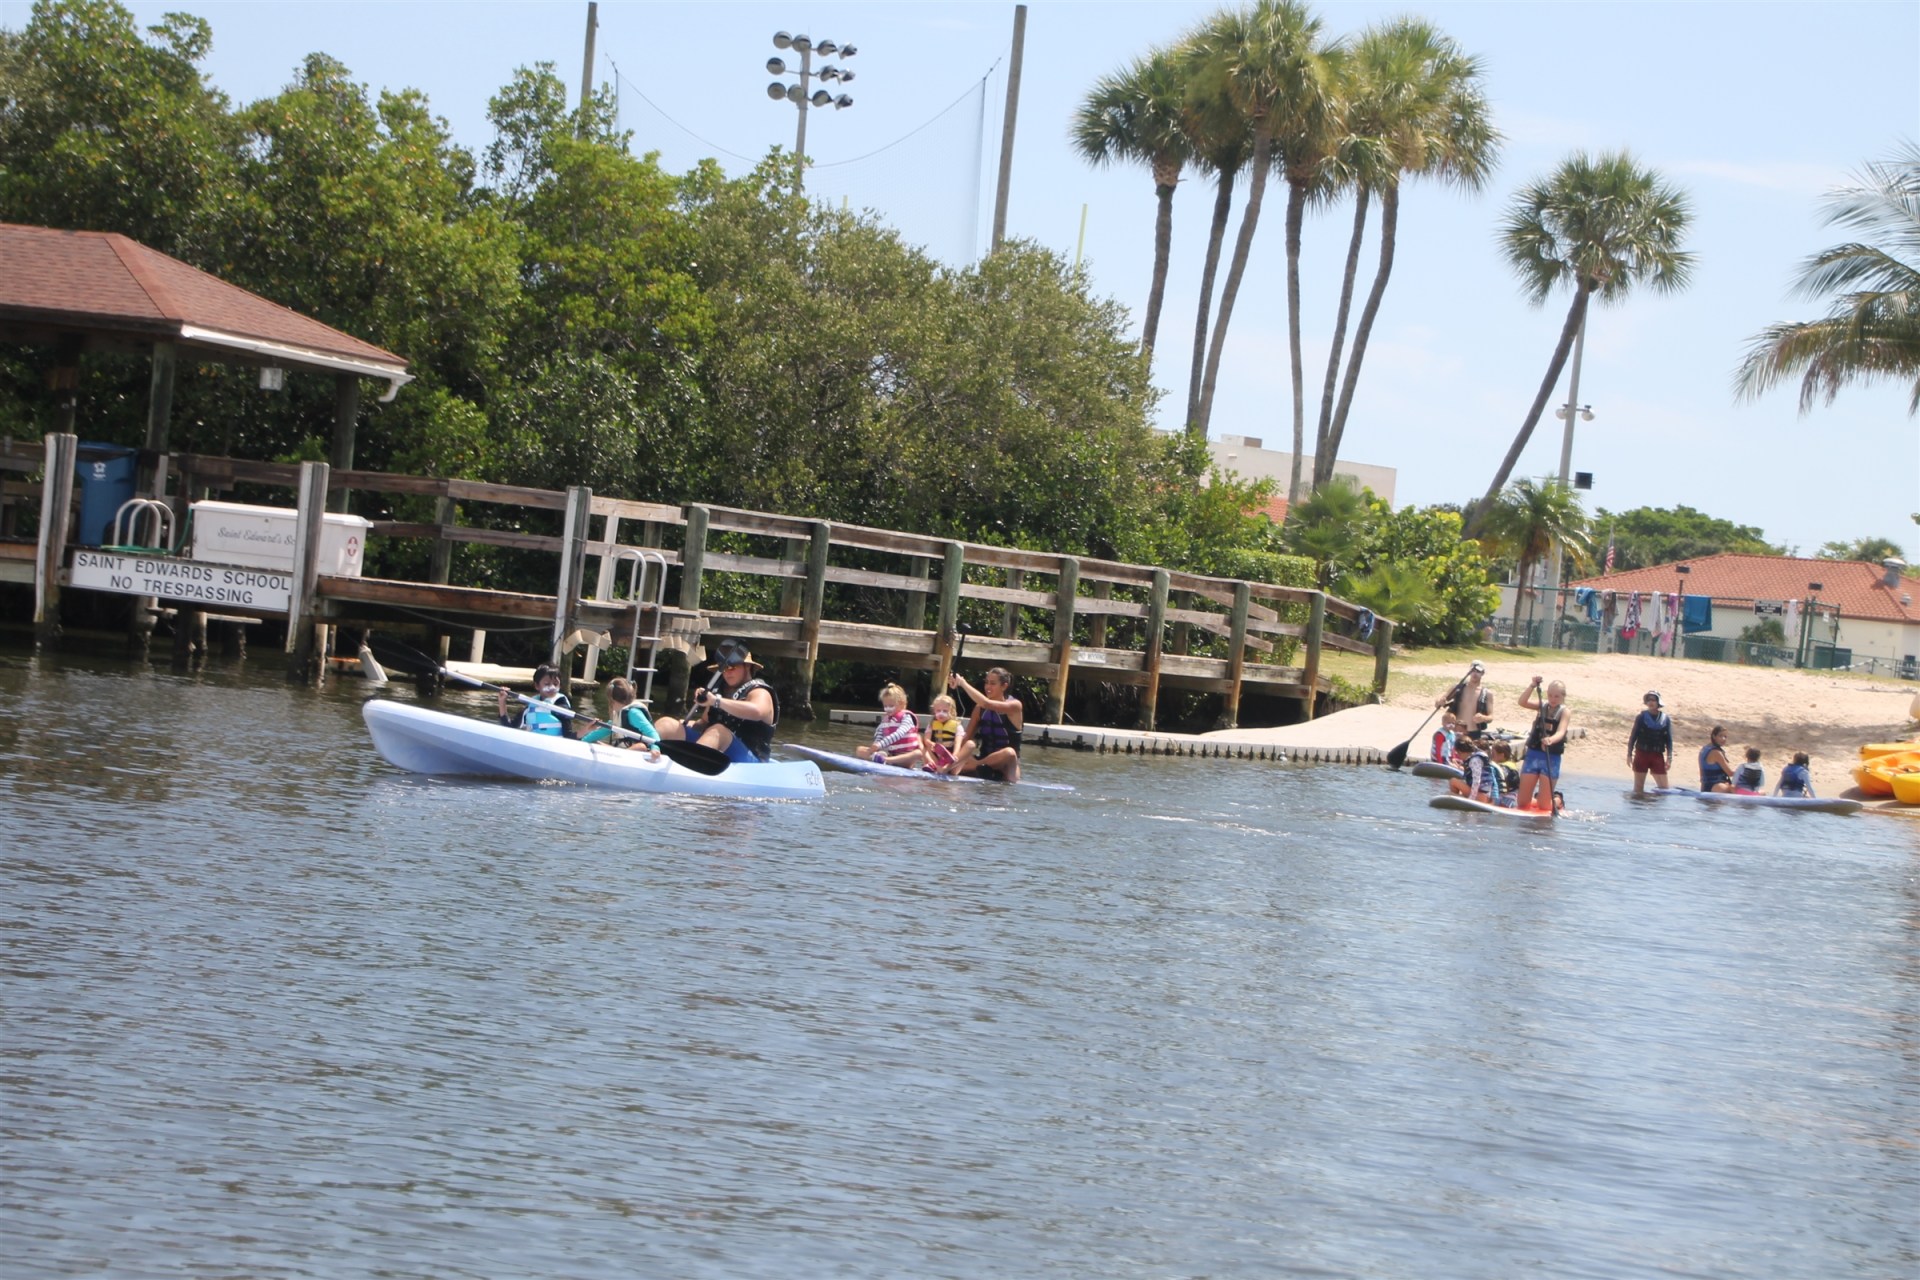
pixel 1650 744
pixel 1546 741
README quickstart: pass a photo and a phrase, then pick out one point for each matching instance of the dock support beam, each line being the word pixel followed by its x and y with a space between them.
pixel 953 567
pixel 693 563
pixel 1382 653
pixel 1236 655
pixel 813 605
pixel 573 572
pixel 1155 633
pixel 306 655
pixel 1066 590
pixel 56 503
pixel 1310 661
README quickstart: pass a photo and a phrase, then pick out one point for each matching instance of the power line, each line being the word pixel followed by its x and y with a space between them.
pixel 620 80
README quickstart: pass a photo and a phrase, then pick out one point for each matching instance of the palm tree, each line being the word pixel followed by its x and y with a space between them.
pixel 1270 61
pixel 1528 520
pixel 1222 141
pixel 1137 115
pixel 1872 326
pixel 1414 107
pixel 1328 528
pixel 1602 224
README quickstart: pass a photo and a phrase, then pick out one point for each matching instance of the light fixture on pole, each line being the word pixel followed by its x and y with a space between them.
pixel 800 95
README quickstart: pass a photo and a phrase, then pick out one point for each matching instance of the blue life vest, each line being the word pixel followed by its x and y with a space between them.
pixel 540 720
pixel 1711 775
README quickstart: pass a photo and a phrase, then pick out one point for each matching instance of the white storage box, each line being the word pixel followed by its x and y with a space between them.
pixel 263 537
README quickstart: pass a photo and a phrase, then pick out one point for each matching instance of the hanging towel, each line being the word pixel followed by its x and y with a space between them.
pixel 1632 627
pixel 1696 613
pixel 1589 599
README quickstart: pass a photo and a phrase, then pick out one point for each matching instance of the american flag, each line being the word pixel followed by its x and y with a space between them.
pixel 1609 567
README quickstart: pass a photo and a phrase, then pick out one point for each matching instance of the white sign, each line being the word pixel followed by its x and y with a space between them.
pixel 1774 608
pixel 188 581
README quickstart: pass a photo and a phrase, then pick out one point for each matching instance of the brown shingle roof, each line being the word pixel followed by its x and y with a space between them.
pixel 1857 588
pixel 101 284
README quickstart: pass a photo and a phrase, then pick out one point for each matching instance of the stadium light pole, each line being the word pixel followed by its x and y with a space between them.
pixel 1567 413
pixel 800 95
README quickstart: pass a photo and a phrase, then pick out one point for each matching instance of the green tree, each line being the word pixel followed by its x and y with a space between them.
pixel 1329 527
pixel 1872 326
pixel 102 129
pixel 1414 108
pixel 1658 535
pixel 1429 540
pixel 363 217
pixel 1529 519
pixel 1868 550
pixel 1138 116
pixel 1601 224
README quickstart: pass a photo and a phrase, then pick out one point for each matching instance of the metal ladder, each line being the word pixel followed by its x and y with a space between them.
pixel 640 560
pixel 128 521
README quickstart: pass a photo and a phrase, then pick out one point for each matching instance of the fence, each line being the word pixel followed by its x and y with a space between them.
pixel 1812 643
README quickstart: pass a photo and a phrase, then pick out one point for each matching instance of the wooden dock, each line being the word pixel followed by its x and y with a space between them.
pixel 793 588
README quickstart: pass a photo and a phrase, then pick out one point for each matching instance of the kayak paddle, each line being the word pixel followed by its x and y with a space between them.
pixel 1398 756
pixel 688 755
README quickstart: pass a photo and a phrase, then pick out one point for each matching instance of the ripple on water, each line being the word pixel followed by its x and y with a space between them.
pixel 269 1008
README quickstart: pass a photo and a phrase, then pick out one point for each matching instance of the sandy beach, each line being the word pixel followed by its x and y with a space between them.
pixel 1779 711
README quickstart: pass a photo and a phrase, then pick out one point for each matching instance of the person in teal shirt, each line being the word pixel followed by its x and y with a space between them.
pixel 624 711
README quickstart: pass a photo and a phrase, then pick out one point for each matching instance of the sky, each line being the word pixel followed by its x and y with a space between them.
pixel 1755 110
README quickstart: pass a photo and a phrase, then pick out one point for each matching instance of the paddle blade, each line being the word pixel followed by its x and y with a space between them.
pixel 401 657
pixel 1398 755
pixel 695 756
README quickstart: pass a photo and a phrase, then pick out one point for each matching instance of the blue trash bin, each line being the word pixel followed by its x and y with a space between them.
pixel 106 475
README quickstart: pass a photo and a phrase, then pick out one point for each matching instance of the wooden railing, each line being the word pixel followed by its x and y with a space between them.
pixel 805 589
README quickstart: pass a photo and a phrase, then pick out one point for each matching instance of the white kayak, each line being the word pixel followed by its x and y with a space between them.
pixel 422 741
pixel 872 768
pixel 1434 769
pixel 1806 804
pixel 1462 804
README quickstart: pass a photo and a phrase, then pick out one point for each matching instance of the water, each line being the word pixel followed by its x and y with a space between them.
pixel 269 1008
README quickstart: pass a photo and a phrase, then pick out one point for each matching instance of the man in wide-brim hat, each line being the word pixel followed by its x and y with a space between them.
pixel 734 712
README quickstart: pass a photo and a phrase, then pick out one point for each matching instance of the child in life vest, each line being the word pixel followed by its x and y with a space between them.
pixel 944 731
pixel 896 739
pixel 1795 779
pixel 627 713
pixel 1444 738
pixel 1750 779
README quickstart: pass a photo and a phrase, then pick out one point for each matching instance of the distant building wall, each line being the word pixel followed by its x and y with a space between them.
pixel 1249 456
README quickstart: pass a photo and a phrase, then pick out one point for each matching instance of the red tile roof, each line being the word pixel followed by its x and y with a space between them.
pixel 1857 588
pixel 1274 509
pixel 101 283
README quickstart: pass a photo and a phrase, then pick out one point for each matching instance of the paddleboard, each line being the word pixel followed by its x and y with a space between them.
pixel 854 764
pixel 1806 804
pixel 1434 769
pixel 1460 804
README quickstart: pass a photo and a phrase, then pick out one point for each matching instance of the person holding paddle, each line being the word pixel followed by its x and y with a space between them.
pixel 734 713
pixel 1469 702
pixel 535 718
pixel 991 747
pixel 1540 767
pixel 628 714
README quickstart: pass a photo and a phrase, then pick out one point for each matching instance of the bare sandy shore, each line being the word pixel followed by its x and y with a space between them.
pixel 1779 711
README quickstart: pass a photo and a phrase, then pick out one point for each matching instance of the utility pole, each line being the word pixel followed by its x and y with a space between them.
pixel 1006 127
pixel 586 64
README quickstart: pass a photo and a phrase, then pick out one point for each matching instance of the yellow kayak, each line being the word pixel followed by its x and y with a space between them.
pixel 1876 776
pixel 1906 787
pixel 1872 749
